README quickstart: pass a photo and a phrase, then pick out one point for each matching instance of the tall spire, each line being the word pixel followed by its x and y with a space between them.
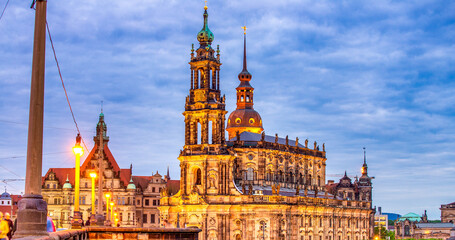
pixel 244 48
pixel 244 75
pixel 364 156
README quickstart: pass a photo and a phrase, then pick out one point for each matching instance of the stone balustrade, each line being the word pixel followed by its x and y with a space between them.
pixel 123 233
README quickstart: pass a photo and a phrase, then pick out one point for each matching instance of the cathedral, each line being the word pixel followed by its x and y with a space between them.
pixel 252 185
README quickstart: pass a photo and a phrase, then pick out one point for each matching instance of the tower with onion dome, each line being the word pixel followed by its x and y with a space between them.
pixel 244 118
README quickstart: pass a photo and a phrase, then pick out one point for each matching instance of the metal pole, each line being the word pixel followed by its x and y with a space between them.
pixel 93 195
pixel 31 217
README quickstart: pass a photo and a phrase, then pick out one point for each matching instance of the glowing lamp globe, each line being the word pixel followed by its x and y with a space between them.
pixel 93 175
pixel 78 150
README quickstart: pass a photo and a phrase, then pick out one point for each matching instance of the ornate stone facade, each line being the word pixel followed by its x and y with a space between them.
pixel 448 212
pixel 255 186
pixel 136 198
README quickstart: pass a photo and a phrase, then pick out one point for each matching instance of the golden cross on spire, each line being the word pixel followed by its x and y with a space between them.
pixel 244 29
pixel 205 7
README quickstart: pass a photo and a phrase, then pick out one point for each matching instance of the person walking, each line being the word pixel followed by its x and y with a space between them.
pixel 4 228
pixel 10 226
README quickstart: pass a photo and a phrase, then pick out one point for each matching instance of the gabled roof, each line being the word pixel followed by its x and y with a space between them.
pixel 142 181
pixel 62 173
pixel 107 154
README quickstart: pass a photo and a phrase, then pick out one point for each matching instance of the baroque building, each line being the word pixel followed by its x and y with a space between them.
pixel 255 186
pixel 136 198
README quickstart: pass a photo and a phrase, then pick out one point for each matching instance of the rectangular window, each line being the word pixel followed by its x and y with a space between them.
pixel 121 217
pixel 144 218
pixel 154 202
pixel 152 218
pixel 153 189
pixel 146 202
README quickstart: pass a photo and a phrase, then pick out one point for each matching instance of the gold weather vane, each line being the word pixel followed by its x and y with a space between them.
pixel 244 29
pixel 205 7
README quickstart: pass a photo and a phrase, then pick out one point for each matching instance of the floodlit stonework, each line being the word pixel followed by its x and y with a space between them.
pixel 255 186
pixel 136 198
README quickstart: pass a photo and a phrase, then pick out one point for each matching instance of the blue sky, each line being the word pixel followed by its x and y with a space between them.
pixel 351 74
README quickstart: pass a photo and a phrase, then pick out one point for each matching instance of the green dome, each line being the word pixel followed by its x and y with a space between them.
pixel 67 184
pixel 131 185
pixel 205 36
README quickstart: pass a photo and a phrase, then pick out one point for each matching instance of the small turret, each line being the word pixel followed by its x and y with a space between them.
pixel 67 184
pixel 131 185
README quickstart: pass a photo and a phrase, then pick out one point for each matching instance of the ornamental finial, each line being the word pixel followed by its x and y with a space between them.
pixel 205 7
pixel 244 29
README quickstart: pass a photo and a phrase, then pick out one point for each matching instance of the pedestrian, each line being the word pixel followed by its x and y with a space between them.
pixel 50 224
pixel 87 223
pixel 10 226
pixel 4 228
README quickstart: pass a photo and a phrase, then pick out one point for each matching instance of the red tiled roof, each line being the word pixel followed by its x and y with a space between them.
pixel 142 181
pixel 60 175
pixel 173 186
pixel 16 198
pixel 125 176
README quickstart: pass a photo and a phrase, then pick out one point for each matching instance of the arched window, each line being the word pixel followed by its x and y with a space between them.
pixel 197 177
pixel 238 237
pixel 250 174
pixel 247 98
pixel 406 230
pixel 319 180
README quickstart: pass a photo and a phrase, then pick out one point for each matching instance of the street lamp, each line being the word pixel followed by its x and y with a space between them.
pixel 107 195
pixel 112 212
pixel 93 176
pixel 78 152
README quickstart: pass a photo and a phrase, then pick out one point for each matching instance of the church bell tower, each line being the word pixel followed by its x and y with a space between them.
pixel 204 160
pixel 204 107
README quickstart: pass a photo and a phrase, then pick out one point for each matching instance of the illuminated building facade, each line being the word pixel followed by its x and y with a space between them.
pixel 136 198
pixel 255 186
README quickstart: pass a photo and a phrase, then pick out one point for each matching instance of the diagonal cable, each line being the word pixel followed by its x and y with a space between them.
pixel 6 5
pixel 63 85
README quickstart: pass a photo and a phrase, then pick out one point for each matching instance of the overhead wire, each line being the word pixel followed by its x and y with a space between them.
pixel 21 123
pixel 6 5
pixel 26 156
pixel 63 85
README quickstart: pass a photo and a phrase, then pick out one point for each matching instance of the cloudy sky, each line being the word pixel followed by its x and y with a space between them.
pixel 351 74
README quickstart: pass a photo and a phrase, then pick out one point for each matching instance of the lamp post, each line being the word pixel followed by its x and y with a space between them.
pixel 112 210
pixel 107 222
pixel 92 218
pixel 78 152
